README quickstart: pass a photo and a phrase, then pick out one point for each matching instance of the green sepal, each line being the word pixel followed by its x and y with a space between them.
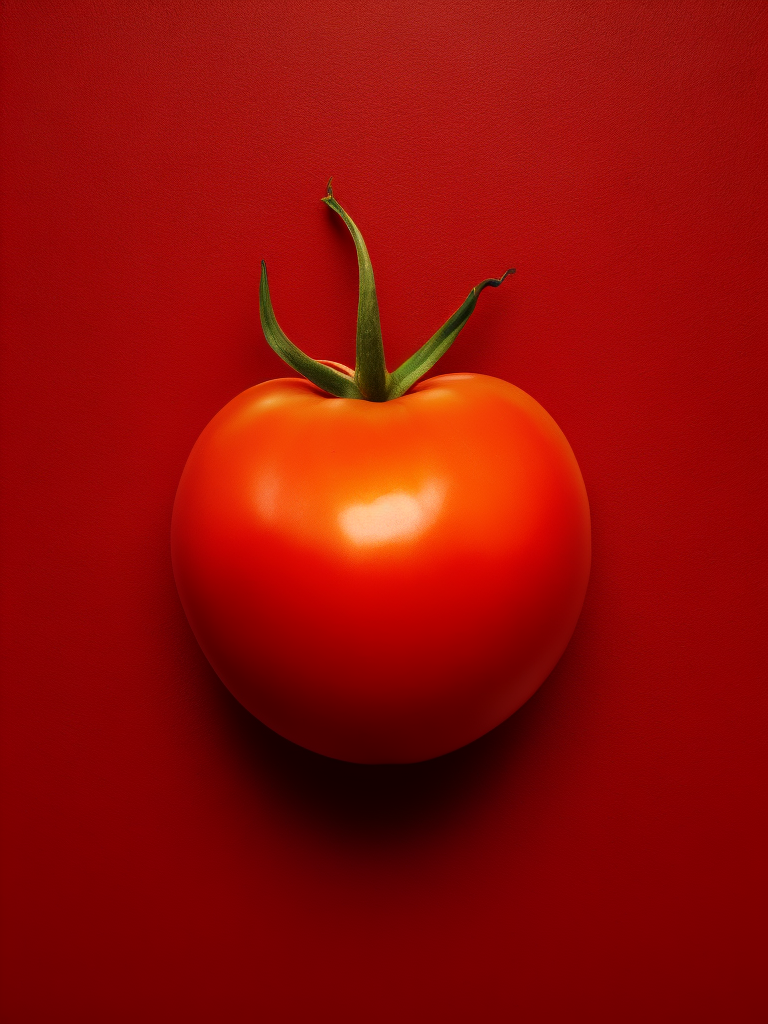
pixel 371 374
pixel 330 380
pixel 406 375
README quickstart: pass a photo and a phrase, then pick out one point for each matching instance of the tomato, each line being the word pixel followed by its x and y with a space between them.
pixel 382 580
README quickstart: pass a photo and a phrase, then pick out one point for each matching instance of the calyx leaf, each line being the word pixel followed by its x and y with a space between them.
pixel 330 380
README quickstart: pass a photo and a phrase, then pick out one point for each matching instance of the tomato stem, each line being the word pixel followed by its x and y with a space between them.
pixel 371 380
pixel 371 374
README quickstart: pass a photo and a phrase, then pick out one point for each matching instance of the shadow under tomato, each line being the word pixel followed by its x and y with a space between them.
pixel 377 801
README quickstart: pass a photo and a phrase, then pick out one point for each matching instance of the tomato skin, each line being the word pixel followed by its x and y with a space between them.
pixel 382 581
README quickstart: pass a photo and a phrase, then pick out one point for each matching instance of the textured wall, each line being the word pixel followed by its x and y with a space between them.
pixel 598 857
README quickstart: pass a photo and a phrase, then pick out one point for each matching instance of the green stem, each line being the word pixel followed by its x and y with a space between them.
pixel 371 380
pixel 371 374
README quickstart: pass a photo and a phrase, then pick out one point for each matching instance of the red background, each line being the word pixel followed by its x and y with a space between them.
pixel 599 856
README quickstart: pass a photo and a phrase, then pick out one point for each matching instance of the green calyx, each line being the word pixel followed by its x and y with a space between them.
pixel 371 380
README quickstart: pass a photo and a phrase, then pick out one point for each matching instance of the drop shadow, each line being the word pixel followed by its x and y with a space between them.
pixel 377 804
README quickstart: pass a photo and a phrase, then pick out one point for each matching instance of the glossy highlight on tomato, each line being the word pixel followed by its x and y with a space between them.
pixel 382 580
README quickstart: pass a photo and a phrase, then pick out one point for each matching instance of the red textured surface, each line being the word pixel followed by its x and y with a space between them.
pixel 599 857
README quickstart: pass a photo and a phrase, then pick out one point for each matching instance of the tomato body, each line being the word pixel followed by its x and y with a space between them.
pixel 382 581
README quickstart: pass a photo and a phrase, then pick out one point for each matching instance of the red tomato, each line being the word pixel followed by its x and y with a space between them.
pixel 382 581
pixel 381 570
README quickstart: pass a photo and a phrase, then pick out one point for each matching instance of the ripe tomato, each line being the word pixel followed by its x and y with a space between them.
pixel 381 580
pixel 388 581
